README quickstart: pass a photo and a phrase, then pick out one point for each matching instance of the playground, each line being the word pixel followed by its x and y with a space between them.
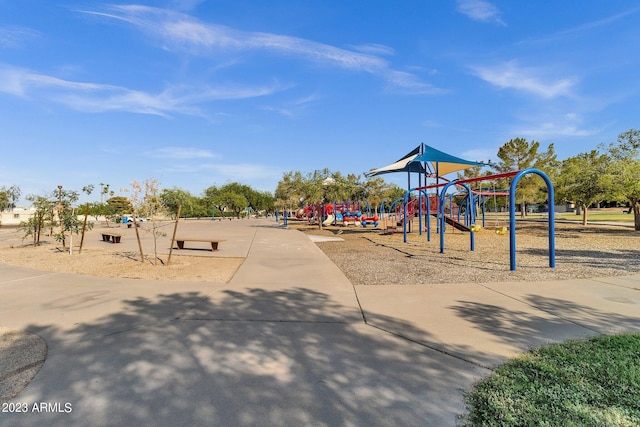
pixel 289 331
pixel 268 289
pixel 366 256
pixel 372 258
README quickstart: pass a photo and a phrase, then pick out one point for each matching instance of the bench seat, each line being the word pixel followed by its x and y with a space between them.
pixel 214 242
pixel 111 237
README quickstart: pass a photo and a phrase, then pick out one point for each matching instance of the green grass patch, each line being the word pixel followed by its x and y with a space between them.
pixel 594 382
pixel 597 216
pixel 616 215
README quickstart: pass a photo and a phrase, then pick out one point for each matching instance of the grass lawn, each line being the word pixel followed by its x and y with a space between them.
pixel 594 382
pixel 593 215
pixel 617 216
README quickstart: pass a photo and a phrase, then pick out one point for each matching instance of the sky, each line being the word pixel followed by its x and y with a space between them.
pixel 196 93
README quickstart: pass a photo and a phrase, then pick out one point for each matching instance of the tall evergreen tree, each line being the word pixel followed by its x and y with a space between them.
pixel 519 154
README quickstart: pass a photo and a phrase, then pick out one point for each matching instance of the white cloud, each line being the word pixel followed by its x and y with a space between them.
pixel 374 49
pixel 584 28
pixel 478 154
pixel 181 153
pixel 94 97
pixel 412 84
pixel 19 82
pixel 177 31
pixel 554 129
pixel 510 75
pixel 567 125
pixel 186 4
pixel 14 37
pixel 292 108
pixel 479 10
pixel 229 171
pixel 431 123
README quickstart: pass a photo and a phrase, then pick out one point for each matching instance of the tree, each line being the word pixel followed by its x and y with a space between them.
pixel 146 201
pixel 42 217
pixel 4 199
pixel 314 190
pixel 212 201
pixel 376 190
pixel 119 205
pixel 519 154
pixel 104 190
pixel 67 218
pixel 172 198
pixel 584 180
pixel 288 191
pixel 233 201
pixel 195 208
pixel 226 198
pixel 264 202
pixel 394 192
pixel 625 171
pixel 9 197
pixel 255 200
pixel 325 186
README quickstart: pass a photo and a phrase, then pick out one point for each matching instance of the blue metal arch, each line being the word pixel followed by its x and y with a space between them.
pixel 441 219
pixel 512 216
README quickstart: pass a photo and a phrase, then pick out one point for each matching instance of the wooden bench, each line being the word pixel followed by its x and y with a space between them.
pixel 111 237
pixel 214 243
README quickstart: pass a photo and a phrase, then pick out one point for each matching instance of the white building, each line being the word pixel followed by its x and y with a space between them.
pixel 16 216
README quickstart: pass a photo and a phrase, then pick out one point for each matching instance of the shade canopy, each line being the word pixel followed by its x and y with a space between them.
pixel 443 163
pixel 405 164
pixel 439 162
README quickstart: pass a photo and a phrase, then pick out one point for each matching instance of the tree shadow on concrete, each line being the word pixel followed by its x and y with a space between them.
pixel 597 320
pixel 518 329
pixel 242 359
pixel 554 320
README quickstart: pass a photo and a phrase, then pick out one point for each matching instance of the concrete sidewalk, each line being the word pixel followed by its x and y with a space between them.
pixel 288 341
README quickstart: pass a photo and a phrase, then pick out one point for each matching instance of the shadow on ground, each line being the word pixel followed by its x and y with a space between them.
pixel 222 363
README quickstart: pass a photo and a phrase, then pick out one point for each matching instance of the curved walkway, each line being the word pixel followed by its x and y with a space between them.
pixel 288 341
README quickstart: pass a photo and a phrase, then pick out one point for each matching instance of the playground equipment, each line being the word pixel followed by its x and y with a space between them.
pixel 330 219
pixel 429 162
pixel 347 214
pixel 307 212
pixel 512 215
pixel 441 215
pixel 499 228
pixel 428 206
pixel 470 211
pixel 369 219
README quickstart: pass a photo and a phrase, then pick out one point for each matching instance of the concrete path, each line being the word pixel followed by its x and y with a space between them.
pixel 288 341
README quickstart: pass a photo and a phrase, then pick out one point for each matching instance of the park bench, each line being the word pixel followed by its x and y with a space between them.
pixel 214 243
pixel 111 237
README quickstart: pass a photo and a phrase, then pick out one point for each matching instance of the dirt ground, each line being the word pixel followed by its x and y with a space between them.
pixel 113 260
pixel 370 257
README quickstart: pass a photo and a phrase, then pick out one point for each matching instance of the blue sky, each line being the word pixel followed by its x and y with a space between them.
pixel 200 93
